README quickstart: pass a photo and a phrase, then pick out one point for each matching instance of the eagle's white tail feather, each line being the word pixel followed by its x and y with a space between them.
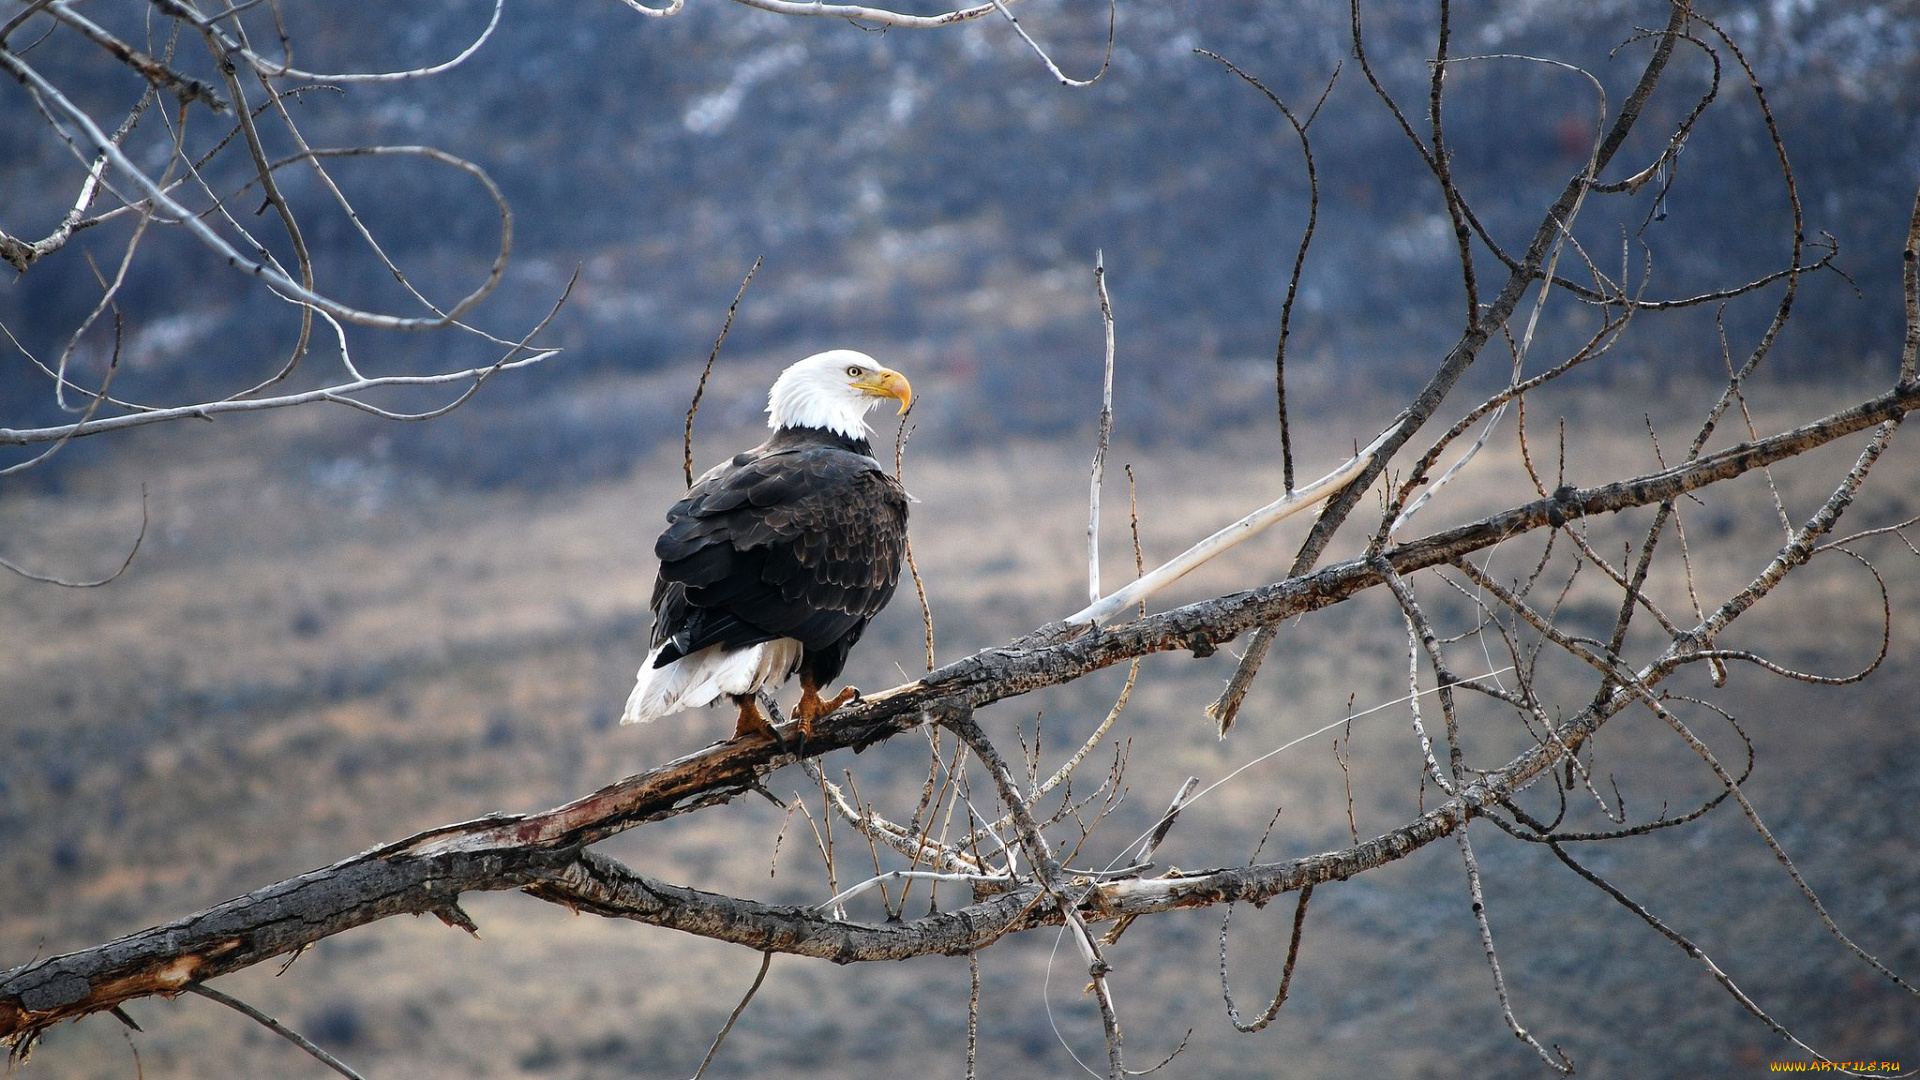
pixel 701 678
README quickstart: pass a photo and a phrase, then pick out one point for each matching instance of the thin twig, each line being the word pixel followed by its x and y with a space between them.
pixel 701 389
pixel 1300 254
pixel 341 393
pixel 1720 976
pixel 1106 433
pixel 276 1027
pixel 1106 60
pixel 124 563
pixel 766 961
pixel 1165 825
pixel 1286 971
pixel 857 13
pixel 973 1011
pixel 1558 1060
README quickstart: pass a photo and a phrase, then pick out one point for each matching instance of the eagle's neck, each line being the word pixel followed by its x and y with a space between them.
pixel 799 435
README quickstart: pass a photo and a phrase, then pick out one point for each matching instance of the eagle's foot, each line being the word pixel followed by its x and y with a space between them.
pixel 812 707
pixel 754 725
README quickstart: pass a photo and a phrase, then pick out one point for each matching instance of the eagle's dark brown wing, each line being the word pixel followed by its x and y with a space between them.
pixel 802 537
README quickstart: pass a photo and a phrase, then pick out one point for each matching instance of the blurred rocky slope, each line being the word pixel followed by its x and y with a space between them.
pixel 937 195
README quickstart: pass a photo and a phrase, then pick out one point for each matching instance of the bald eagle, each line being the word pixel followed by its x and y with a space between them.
pixel 777 559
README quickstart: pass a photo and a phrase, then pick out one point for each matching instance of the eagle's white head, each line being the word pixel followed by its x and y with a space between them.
pixel 833 390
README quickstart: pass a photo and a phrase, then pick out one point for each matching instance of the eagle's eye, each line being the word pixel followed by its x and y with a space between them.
pixel 854 372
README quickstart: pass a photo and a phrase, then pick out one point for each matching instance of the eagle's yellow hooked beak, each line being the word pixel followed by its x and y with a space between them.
pixel 888 383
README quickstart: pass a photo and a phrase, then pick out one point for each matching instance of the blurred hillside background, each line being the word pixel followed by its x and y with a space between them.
pixel 341 630
pixel 939 195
